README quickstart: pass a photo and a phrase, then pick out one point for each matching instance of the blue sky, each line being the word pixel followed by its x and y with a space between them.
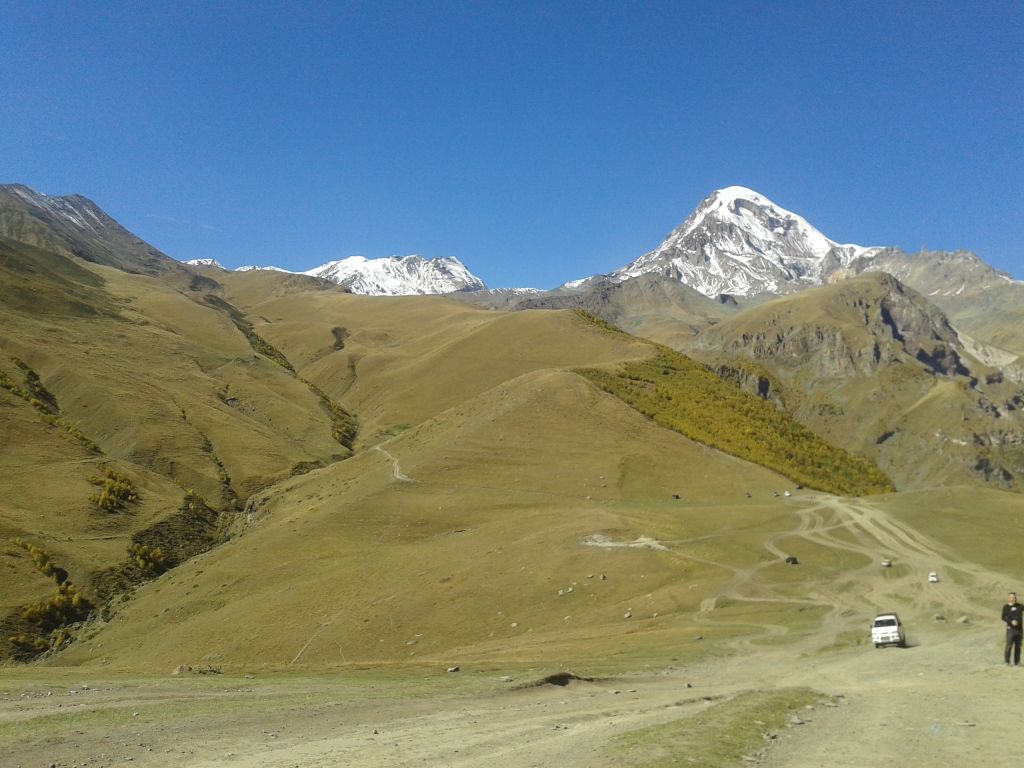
pixel 537 142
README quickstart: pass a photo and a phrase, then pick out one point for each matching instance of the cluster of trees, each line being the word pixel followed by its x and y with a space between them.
pixel 40 557
pixel 683 395
pixel 344 425
pixel 45 624
pixel 115 492
pixel 149 560
pixel 64 607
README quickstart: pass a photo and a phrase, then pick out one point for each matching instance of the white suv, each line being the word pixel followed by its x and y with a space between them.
pixel 887 629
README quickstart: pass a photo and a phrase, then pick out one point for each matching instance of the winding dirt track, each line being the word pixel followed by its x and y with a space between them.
pixel 946 700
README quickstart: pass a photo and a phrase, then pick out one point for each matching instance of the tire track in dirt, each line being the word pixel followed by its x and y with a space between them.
pixel 875 535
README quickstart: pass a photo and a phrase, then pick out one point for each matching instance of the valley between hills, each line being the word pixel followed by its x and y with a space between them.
pixel 250 518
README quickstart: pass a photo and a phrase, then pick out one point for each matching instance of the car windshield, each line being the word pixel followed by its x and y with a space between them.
pixel 885 622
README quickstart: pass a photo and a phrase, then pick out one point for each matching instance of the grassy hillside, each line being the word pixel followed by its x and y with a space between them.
pixel 104 372
pixel 55 516
pixel 454 540
pixel 395 361
pixel 497 506
pixel 165 391
pixel 161 380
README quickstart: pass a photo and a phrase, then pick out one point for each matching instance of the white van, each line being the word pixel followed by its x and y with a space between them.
pixel 887 629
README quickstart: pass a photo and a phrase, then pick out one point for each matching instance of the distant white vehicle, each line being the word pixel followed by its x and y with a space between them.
pixel 887 563
pixel 933 577
pixel 887 629
pixel 788 493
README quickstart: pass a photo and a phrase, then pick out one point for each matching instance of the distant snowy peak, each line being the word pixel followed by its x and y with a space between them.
pixel 740 242
pixel 255 268
pixel 80 211
pixel 400 275
pixel 393 276
pixel 204 263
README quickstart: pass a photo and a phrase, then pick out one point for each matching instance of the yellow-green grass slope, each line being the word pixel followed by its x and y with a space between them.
pixel 395 361
pixel 681 394
pixel 504 447
pixel 163 380
pixel 104 372
pixel 452 542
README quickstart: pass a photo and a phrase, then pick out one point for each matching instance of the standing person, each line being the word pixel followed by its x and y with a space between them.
pixel 1013 612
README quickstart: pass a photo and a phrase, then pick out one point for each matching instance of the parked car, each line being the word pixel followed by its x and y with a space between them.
pixel 887 563
pixel 933 577
pixel 887 629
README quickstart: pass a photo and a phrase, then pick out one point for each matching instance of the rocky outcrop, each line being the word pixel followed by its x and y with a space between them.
pixel 873 366
pixel 850 329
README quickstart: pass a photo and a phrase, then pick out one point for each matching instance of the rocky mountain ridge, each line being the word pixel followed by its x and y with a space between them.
pixel 738 244
pixel 75 226
pixel 871 363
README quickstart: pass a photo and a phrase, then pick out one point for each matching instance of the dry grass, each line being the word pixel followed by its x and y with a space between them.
pixel 448 544
pixel 719 734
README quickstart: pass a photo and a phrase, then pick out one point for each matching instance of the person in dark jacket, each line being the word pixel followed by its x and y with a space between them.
pixel 1013 613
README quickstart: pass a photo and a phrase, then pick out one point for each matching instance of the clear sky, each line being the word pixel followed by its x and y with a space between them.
pixel 537 142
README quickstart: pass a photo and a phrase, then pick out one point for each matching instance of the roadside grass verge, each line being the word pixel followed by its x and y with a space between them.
pixel 722 734
pixel 212 697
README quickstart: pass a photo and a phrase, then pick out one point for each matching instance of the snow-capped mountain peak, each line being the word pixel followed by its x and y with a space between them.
pixel 399 275
pixel 392 276
pixel 256 268
pixel 739 242
pixel 758 215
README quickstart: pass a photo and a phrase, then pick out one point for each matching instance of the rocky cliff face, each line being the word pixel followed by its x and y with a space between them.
pixel 978 299
pixel 871 365
pixel 863 324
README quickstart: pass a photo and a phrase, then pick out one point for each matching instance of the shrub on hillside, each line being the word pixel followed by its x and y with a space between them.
pixel 40 557
pixel 344 425
pixel 149 560
pixel 64 607
pixel 39 396
pixel 594 320
pixel 73 431
pixel 257 342
pixel 47 624
pixel 25 646
pixel 116 491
